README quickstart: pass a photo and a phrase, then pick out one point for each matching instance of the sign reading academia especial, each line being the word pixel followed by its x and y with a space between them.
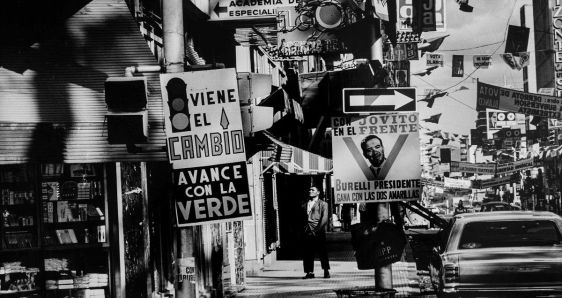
pixel 246 9
pixel 490 96
pixel 376 158
pixel 205 144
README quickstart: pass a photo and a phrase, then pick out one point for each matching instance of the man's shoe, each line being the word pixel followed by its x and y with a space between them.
pixel 308 275
pixel 326 274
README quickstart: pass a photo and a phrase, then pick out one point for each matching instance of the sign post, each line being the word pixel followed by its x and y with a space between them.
pixel 206 146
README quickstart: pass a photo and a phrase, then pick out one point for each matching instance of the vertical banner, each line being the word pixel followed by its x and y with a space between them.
pixel 517 39
pixel 205 144
pixel 458 66
pixel 376 158
pixel 435 14
pixel 424 16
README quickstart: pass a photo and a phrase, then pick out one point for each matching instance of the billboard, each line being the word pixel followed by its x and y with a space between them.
pixel 376 158
pixel 405 14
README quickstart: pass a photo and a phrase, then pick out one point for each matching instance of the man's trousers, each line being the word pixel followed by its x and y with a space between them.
pixel 315 244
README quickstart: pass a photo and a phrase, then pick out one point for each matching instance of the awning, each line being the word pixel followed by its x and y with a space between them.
pixel 290 159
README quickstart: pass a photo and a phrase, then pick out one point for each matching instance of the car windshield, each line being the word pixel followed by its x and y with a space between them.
pixel 509 234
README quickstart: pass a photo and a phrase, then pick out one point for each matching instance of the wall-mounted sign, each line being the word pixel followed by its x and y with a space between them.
pixel 186 270
pixel 245 9
pixel 489 96
pixel 376 158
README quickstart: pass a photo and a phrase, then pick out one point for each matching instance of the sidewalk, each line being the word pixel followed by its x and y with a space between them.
pixel 284 279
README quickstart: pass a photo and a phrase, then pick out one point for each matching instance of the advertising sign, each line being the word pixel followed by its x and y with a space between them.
pixel 489 96
pixel 376 158
pixel 205 144
pixel 245 9
pixel 482 61
pixel 475 168
pixel 557 39
pixel 434 60
pixel 405 15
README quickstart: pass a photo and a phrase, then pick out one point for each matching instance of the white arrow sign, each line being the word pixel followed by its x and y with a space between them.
pixel 365 100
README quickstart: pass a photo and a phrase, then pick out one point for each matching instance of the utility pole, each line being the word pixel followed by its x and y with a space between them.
pixel 174 49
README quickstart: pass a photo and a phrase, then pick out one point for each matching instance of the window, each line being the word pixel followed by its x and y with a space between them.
pixel 511 233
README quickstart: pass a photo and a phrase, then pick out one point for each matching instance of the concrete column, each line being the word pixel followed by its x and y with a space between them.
pixel 172 11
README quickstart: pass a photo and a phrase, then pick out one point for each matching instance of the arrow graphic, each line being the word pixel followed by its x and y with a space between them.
pixel 367 100
pixel 220 9
pixel 224 120
pixel 397 100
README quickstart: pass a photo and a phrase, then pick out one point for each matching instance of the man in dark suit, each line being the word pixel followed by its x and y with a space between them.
pixel 315 213
pixel 373 150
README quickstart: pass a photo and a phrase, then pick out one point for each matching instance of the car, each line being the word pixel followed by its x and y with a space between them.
pixel 507 253
pixel 497 206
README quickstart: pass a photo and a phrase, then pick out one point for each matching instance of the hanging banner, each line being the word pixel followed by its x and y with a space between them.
pixel 424 19
pixel 376 158
pixel 434 60
pixel 490 96
pixel 519 165
pixel 458 66
pixel 457 183
pixel 475 168
pixel 483 184
pixel 381 9
pixel 517 39
pixel 482 61
pixel 557 40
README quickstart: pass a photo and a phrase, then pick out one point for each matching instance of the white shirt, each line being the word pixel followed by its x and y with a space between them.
pixel 310 204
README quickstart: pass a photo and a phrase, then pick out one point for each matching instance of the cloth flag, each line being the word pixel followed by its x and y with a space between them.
pixel 432 44
pixel 458 66
pixel 516 60
pixel 433 119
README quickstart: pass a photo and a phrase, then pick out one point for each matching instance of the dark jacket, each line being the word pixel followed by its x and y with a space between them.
pixel 317 220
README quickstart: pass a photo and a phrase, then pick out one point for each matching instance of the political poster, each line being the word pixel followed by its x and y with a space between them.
pixel 482 61
pixel 475 168
pixel 212 194
pixel 490 96
pixel 458 66
pixel 483 184
pixel 376 158
pixel 205 144
pixel 434 60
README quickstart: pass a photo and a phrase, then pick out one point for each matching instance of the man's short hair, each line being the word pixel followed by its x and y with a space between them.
pixel 368 138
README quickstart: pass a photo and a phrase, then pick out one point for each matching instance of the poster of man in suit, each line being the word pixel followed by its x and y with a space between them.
pixel 376 158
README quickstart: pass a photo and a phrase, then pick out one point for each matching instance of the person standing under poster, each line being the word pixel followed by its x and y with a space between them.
pixel 316 220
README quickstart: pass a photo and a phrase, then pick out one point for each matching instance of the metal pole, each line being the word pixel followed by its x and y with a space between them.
pixel 383 275
pixel 172 17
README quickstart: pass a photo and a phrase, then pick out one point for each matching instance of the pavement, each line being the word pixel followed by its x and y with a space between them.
pixel 284 278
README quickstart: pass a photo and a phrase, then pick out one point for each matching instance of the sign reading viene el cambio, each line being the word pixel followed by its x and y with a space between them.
pixel 376 158
pixel 205 144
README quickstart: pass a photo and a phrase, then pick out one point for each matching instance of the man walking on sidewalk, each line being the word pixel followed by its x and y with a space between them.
pixel 316 219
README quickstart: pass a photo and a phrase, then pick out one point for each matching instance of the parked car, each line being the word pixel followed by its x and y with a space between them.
pixel 497 206
pixel 499 253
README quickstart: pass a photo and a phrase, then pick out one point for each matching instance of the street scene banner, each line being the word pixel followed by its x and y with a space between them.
pixel 475 168
pixel 202 118
pixel 457 183
pixel 516 166
pixel 212 194
pixel 376 158
pixel 490 96
pixel 434 60
pixel 482 61
pixel 482 184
